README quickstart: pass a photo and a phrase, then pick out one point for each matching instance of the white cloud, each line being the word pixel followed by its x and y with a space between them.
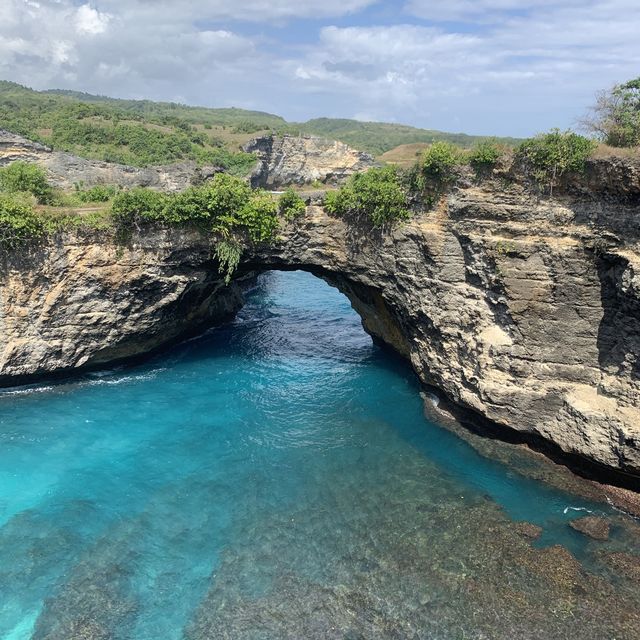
pixel 90 21
pixel 515 66
pixel 245 11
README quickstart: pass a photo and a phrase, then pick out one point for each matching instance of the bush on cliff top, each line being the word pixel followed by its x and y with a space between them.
pixel 439 160
pixel 291 205
pixel 551 155
pixel 377 194
pixel 485 155
pixel 18 221
pixel 222 206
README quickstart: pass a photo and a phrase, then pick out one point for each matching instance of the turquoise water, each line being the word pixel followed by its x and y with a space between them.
pixel 282 455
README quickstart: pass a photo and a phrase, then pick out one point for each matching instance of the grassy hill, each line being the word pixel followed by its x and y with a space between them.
pixel 143 132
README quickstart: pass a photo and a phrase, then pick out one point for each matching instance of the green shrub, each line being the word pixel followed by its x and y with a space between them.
pixel 485 155
pixel 18 221
pixel 28 178
pixel 99 193
pixel 439 160
pixel 138 205
pixel 258 216
pixel 291 205
pixel 550 155
pixel 221 206
pixel 377 194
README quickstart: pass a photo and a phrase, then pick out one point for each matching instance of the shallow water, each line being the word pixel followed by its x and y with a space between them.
pixel 277 478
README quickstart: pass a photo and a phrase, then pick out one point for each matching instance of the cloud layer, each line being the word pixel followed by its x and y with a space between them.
pixel 486 66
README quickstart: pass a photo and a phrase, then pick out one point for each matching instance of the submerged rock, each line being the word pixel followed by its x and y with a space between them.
pixel 623 564
pixel 592 526
pixel 528 530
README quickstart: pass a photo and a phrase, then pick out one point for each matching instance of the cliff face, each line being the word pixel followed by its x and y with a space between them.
pixel 525 311
pixel 65 170
pixel 302 159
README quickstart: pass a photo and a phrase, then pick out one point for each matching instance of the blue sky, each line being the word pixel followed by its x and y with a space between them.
pixel 503 67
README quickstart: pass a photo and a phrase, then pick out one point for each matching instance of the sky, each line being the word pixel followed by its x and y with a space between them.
pixel 488 67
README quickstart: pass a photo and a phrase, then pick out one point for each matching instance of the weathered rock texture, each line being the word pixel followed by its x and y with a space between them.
pixel 303 159
pixel 524 310
pixel 65 170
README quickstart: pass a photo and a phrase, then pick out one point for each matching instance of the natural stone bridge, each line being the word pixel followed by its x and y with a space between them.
pixel 523 312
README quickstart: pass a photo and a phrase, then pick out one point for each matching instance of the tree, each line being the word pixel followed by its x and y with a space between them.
pixel 615 118
pixel 28 178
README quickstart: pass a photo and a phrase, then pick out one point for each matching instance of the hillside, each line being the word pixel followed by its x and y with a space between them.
pixel 143 133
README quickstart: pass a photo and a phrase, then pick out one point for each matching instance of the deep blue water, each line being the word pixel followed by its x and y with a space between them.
pixel 123 494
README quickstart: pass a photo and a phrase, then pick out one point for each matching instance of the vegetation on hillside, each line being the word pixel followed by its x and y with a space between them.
pixel 143 132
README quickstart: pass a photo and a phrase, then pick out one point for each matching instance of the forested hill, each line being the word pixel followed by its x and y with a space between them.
pixel 143 132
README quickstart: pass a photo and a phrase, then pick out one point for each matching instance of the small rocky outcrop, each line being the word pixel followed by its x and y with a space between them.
pixel 288 160
pixel 592 526
pixel 66 170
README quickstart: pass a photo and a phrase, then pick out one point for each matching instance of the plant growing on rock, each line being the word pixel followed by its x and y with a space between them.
pixel 550 155
pixel 291 205
pixel 228 252
pixel 18 222
pixel 377 194
pixel 28 178
pixel 136 205
pixel 221 206
pixel 484 156
pixel 438 161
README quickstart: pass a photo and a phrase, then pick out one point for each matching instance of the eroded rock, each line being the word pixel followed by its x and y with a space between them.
pixel 65 170
pixel 289 160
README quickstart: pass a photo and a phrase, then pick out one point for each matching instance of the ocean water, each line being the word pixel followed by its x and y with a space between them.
pixel 277 478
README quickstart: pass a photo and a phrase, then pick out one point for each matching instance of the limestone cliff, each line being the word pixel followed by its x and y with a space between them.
pixel 303 159
pixel 64 170
pixel 523 310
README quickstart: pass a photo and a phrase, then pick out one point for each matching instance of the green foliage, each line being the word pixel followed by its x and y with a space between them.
pixel 139 205
pixel 28 178
pixel 221 206
pixel 550 155
pixel 485 155
pixel 438 161
pixel 159 132
pixel 138 133
pixel 615 118
pixel 237 163
pixel 291 205
pixel 228 252
pixel 259 216
pixel 98 193
pixel 18 221
pixel 246 126
pixel 377 194
pixel 379 137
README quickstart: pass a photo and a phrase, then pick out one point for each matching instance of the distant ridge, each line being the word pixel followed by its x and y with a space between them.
pixel 144 132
